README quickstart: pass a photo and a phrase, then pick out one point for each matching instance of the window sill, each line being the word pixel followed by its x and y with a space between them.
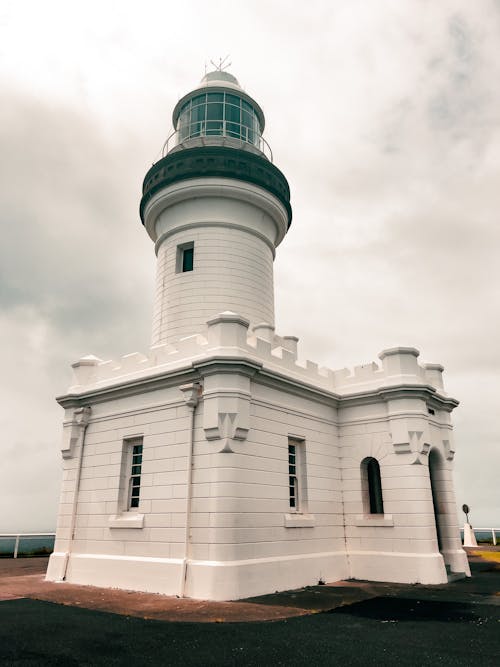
pixel 297 520
pixel 126 520
pixel 374 520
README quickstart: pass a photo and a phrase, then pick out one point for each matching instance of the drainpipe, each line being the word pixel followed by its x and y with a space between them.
pixel 81 418
pixel 192 394
pixel 344 524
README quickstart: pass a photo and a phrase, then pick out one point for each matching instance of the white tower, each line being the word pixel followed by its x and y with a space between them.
pixel 216 208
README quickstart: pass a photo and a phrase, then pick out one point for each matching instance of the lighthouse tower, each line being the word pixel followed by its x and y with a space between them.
pixel 219 465
pixel 216 208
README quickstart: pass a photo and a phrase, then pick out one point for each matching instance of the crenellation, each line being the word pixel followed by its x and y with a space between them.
pixel 228 332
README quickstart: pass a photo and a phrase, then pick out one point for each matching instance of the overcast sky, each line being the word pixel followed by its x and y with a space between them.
pixel 384 117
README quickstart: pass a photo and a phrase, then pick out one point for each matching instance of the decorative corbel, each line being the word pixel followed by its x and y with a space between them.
pixel 191 393
pixel 418 443
pixel 402 447
pixel 230 426
pixel 449 450
pixel 73 431
pixel 226 417
pixel 414 442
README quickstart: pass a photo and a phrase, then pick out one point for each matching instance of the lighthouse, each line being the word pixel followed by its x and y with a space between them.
pixel 220 465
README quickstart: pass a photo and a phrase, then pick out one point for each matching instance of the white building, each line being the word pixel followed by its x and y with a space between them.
pixel 218 466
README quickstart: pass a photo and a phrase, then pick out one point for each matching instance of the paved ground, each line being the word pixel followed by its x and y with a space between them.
pixel 358 624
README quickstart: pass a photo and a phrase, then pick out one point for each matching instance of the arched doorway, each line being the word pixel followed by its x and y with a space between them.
pixel 437 489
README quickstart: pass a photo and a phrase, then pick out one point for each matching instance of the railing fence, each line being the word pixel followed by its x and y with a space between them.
pixel 494 532
pixel 17 537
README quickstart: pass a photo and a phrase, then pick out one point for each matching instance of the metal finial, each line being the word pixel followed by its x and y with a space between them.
pixel 222 64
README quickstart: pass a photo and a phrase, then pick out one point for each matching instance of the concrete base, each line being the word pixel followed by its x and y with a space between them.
pixel 206 580
pixel 151 575
pixel 237 580
pixel 401 568
pixel 457 561
pixel 469 536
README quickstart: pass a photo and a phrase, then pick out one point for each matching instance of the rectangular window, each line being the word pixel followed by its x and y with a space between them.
pixel 292 475
pixel 185 257
pixel 130 484
pixel 297 481
pixel 135 476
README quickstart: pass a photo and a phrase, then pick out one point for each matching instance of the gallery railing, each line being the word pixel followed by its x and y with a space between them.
pixel 236 133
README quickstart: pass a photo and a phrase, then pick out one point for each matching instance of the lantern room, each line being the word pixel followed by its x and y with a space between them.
pixel 219 107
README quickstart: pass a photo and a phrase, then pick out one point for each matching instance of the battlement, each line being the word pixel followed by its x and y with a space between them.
pixel 227 335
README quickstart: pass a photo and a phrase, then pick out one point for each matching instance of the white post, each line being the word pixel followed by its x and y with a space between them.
pixel 494 536
pixel 469 537
pixel 16 548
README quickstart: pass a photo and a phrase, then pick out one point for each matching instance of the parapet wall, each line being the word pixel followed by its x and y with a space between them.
pixel 227 335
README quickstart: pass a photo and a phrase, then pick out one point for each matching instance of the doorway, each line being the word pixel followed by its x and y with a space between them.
pixel 437 484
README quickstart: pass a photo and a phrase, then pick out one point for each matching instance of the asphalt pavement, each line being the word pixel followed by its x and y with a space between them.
pixel 457 625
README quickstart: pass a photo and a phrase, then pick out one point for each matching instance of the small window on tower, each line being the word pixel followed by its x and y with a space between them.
pixel 185 257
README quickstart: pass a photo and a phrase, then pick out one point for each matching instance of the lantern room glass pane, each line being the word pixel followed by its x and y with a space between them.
pixel 199 100
pixel 215 115
pixel 219 114
pixel 232 111
pixel 184 121
pixel 233 99
pixel 215 97
pixel 247 124
pixel 197 125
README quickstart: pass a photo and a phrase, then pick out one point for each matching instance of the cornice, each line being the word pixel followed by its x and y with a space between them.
pixel 275 380
pixel 425 392
pixel 214 365
pixel 254 369
pixel 130 387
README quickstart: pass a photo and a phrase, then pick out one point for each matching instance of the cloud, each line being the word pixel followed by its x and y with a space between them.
pixel 383 117
pixel 76 274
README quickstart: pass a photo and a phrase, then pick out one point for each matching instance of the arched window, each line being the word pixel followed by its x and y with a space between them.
pixel 372 486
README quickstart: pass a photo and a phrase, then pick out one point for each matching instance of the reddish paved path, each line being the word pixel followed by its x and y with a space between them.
pixel 24 578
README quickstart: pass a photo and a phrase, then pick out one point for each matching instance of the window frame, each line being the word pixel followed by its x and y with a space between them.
pixel 127 475
pixel 179 262
pixel 134 476
pixel 293 482
pixel 297 478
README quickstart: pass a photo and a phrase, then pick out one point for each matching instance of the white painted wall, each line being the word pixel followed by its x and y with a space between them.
pixel 235 228
pixel 245 539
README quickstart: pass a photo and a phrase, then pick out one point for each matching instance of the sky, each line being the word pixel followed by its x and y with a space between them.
pixel 382 115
